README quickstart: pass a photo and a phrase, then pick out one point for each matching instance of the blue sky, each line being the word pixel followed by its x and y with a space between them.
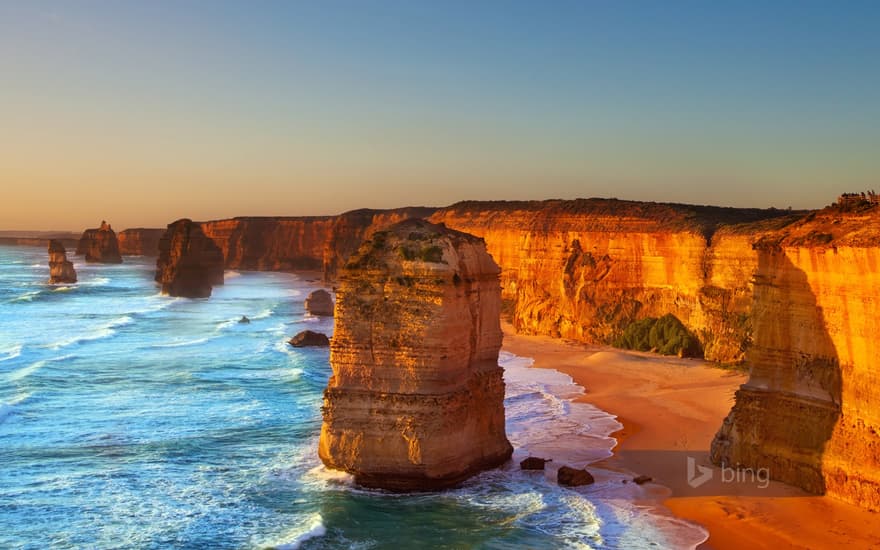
pixel 215 109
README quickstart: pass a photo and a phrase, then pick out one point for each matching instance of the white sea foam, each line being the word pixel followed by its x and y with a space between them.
pixel 63 288
pixel 312 528
pixel 27 296
pixel 265 314
pixel 6 409
pixel 10 353
pixel 24 372
pixel 102 331
pixel 231 274
pixel 184 343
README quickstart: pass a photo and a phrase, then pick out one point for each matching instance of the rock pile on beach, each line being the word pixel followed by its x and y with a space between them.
pixel 416 400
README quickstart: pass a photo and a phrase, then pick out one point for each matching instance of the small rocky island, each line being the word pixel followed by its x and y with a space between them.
pixel 189 263
pixel 319 302
pixel 99 245
pixel 60 268
pixel 416 399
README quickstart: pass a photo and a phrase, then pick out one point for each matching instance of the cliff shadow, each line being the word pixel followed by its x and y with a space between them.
pixel 784 416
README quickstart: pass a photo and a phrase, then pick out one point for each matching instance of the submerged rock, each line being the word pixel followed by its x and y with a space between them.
pixel 416 400
pixel 189 263
pixel 244 320
pixel 533 463
pixel 320 302
pixel 572 477
pixel 99 245
pixel 60 268
pixel 641 480
pixel 309 338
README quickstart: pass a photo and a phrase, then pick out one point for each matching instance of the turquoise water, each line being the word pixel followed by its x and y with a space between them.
pixel 130 419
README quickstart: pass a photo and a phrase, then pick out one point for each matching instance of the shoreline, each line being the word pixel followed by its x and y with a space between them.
pixel 670 409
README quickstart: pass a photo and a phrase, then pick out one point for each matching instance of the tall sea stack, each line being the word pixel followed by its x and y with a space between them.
pixel 416 399
pixel 189 263
pixel 99 245
pixel 60 268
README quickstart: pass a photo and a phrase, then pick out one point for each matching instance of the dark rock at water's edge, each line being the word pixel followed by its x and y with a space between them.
pixel 60 268
pixel 99 245
pixel 320 302
pixel 572 477
pixel 533 463
pixel 244 320
pixel 642 479
pixel 189 263
pixel 309 339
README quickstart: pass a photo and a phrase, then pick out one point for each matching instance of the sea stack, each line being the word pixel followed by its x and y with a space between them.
pixel 320 302
pixel 99 245
pixel 60 268
pixel 189 263
pixel 416 399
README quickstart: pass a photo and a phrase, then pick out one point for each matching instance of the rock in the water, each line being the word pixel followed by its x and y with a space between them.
pixel 533 463
pixel 189 263
pixel 99 245
pixel 320 302
pixel 416 400
pixel 641 480
pixel 309 338
pixel 60 268
pixel 572 477
pixel 244 320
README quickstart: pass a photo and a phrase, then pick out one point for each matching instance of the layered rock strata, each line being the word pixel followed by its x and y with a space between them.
pixel 415 401
pixel 189 263
pixel 140 241
pixel 60 268
pixel 809 413
pixel 99 245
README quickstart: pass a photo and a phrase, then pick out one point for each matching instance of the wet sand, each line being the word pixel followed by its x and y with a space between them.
pixel 670 409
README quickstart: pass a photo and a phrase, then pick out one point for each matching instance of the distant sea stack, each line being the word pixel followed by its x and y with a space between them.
pixel 319 302
pixel 415 401
pixel 140 241
pixel 60 268
pixel 99 245
pixel 189 263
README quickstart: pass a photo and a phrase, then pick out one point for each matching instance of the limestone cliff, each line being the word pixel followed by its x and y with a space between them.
pixel 271 243
pixel 99 245
pixel 139 241
pixel 189 262
pixel 350 229
pixel 416 397
pixel 586 269
pixel 809 412
pixel 60 268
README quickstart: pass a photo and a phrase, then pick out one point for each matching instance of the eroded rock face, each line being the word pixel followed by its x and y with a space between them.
pixel 189 263
pixel 60 268
pixel 99 245
pixel 810 412
pixel 573 477
pixel 416 397
pixel 140 241
pixel 319 302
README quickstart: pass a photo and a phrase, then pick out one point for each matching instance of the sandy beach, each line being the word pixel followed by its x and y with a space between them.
pixel 670 409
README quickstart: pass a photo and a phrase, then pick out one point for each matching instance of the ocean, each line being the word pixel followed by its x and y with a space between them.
pixel 134 420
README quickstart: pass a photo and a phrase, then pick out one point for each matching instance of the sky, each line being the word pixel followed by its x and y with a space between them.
pixel 144 112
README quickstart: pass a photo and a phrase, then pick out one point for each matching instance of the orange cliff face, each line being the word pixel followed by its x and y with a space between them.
pixel 809 413
pixel 139 241
pixel 271 244
pixel 416 400
pixel 586 269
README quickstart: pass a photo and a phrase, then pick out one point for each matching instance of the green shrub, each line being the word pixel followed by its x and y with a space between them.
pixel 666 335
